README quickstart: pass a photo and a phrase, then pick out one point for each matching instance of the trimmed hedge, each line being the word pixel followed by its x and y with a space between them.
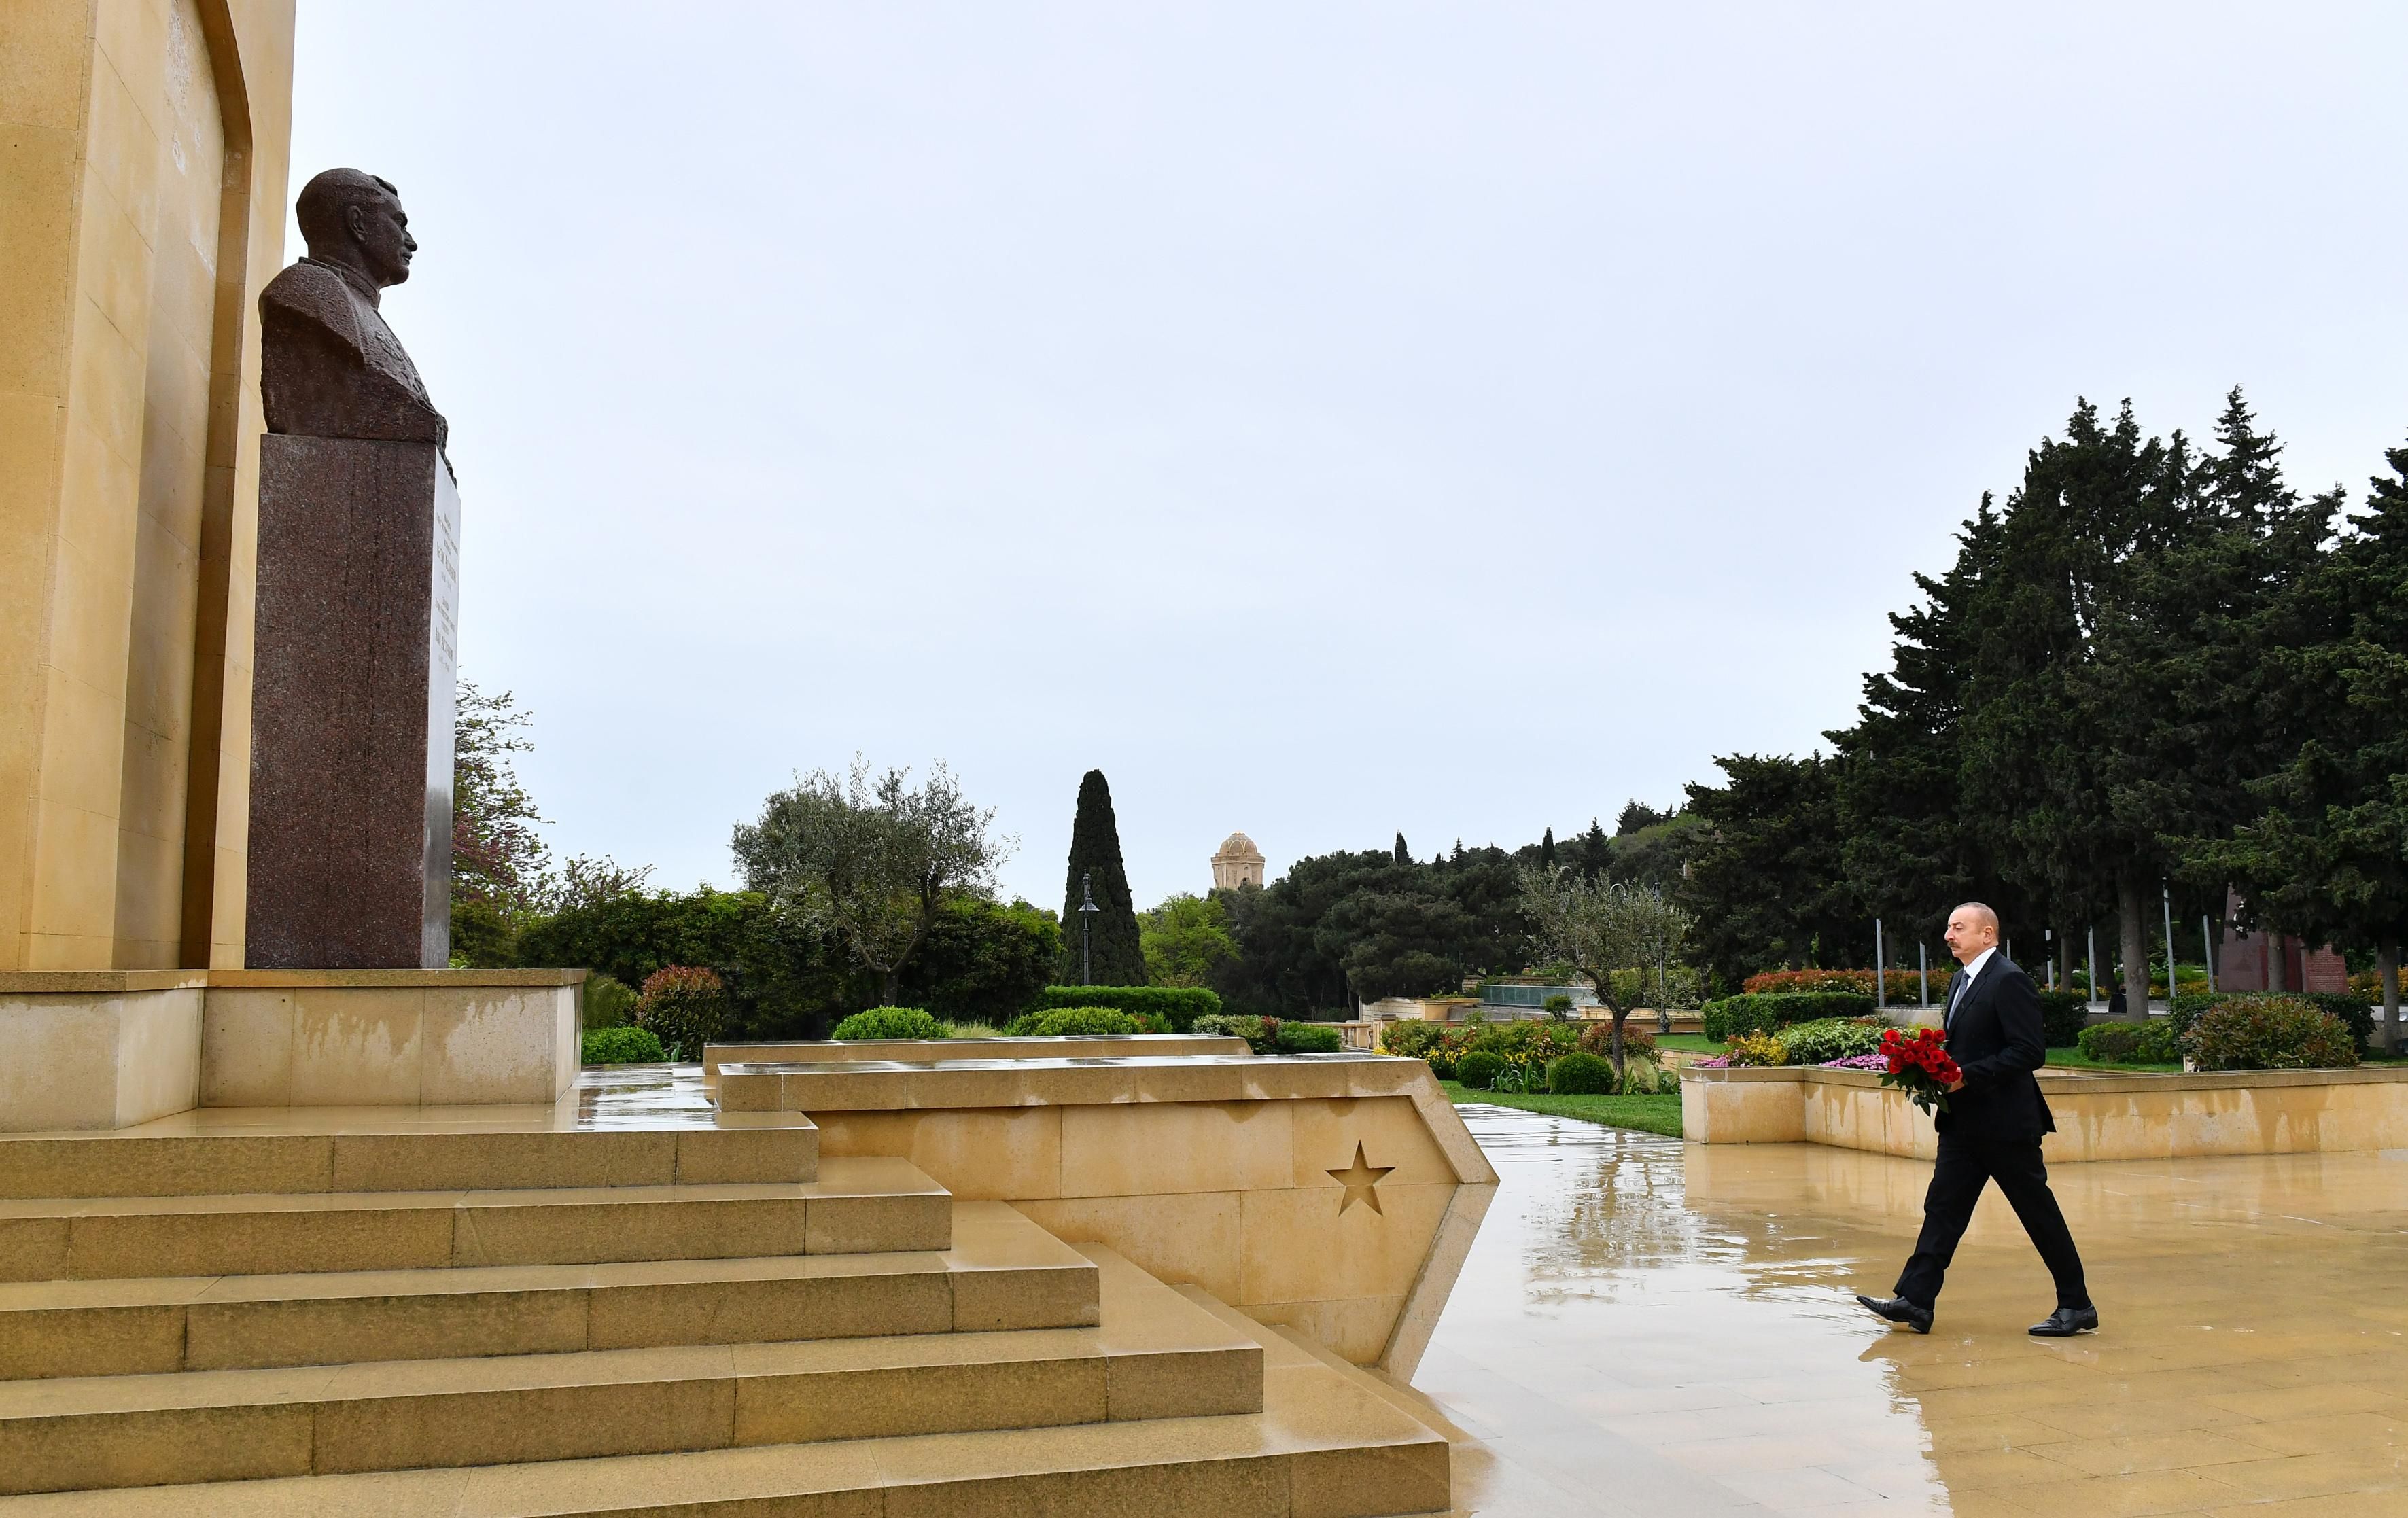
pixel 1768 1012
pixel 1829 1038
pixel 2131 1043
pixel 1080 1023
pixel 2061 1014
pixel 2268 1033
pixel 1478 1070
pixel 1579 1074
pixel 1273 1035
pixel 1178 1006
pixel 2352 1009
pixel 890 1023
pixel 623 1046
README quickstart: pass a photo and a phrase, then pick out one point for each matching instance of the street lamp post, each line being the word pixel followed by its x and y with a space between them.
pixel 1087 909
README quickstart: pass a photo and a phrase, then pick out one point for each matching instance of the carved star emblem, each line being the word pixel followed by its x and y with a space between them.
pixel 1358 1178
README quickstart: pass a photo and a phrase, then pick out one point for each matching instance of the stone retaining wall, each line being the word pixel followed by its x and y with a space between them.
pixel 2099 1117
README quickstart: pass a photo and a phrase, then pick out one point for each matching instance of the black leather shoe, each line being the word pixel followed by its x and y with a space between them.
pixel 2065 1323
pixel 1899 1310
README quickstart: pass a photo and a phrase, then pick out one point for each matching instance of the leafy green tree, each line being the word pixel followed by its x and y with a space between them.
pixel 782 982
pixel 1116 956
pixel 871 863
pixel 1185 939
pixel 1635 815
pixel 1602 929
pixel 1395 943
pixel 499 863
pixel 983 961
pixel 1763 884
pixel 1657 855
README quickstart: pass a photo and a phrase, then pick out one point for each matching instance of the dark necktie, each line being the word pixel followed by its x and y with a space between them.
pixel 1956 995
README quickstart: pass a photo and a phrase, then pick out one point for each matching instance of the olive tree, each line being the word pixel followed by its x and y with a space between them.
pixel 1598 927
pixel 871 860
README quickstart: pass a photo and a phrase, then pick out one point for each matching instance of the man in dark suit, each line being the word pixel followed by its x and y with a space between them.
pixel 1991 1131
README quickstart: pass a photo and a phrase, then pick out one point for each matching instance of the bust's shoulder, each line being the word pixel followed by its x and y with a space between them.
pixel 314 293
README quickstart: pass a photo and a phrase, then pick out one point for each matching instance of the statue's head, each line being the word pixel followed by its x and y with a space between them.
pixel 355 220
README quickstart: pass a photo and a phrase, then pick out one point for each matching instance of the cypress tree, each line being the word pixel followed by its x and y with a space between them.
pixel 1404 855
pixel 1547 850
pixel 1115 958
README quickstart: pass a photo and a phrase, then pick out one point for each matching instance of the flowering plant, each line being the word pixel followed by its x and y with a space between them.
pixel 1858 1062
pixel 1918 1064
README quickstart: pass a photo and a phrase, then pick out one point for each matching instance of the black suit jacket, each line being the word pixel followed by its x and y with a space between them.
pixel 1995 1038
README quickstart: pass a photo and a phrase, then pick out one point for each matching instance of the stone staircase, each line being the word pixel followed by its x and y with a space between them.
pixel 249 1317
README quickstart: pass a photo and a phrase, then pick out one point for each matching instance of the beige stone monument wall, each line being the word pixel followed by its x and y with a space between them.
pixel 142 185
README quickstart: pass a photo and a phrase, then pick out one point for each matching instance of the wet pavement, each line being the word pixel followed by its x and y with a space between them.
pixel 1647 1326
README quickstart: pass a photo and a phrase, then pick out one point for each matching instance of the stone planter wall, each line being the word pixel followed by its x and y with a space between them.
pixel 2099 1117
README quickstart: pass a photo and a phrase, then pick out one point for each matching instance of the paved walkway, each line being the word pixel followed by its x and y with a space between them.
pixel 1647 1327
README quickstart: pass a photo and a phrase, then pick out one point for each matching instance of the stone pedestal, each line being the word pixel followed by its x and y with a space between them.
pixel 352 706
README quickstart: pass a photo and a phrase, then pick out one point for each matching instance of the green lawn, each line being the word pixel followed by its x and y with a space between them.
pixel 2074 1059
pixel 1649 1114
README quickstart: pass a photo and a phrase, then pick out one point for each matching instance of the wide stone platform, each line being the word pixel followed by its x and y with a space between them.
pixel 933 1050
pixel 627 1300
pixel 1332 1192
pixel 1647 1327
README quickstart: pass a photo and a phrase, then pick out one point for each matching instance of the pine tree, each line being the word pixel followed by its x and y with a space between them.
pixel 2326 853
pixel 1913 853
pixel 1596 853
pixel 1115 954
pixel 2114 705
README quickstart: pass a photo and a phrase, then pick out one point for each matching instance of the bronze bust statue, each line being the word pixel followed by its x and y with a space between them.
pixel 329 365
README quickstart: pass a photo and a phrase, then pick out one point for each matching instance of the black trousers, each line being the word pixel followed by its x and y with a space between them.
pixel 1956 1180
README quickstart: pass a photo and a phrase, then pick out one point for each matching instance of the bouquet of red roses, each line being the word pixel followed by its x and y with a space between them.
pixel 1919 1065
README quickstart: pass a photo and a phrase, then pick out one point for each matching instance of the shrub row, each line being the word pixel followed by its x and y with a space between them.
pixel 1830 1038
pixel 1768 1012
pixel 2246 1032
pixel 892 1022
pixel 1520 1055
pixel 2130 1043
pixel 1272 1035
pixel 1083 1023
pixel 1902 985
pixel 622 1046
pixel 2353 1011
pixel 1177 1006
pixel 2061 1014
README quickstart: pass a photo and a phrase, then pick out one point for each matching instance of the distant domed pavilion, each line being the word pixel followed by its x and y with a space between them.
pixel 1238 863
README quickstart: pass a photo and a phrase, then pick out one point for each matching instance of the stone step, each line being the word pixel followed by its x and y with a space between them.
pixel 1322 1447
pixel 1002 1272
pixel 1155 1355
pixel 857 1206
pixel 222 1150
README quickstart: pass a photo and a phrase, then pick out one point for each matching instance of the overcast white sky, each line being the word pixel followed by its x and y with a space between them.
pixel 1328 420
